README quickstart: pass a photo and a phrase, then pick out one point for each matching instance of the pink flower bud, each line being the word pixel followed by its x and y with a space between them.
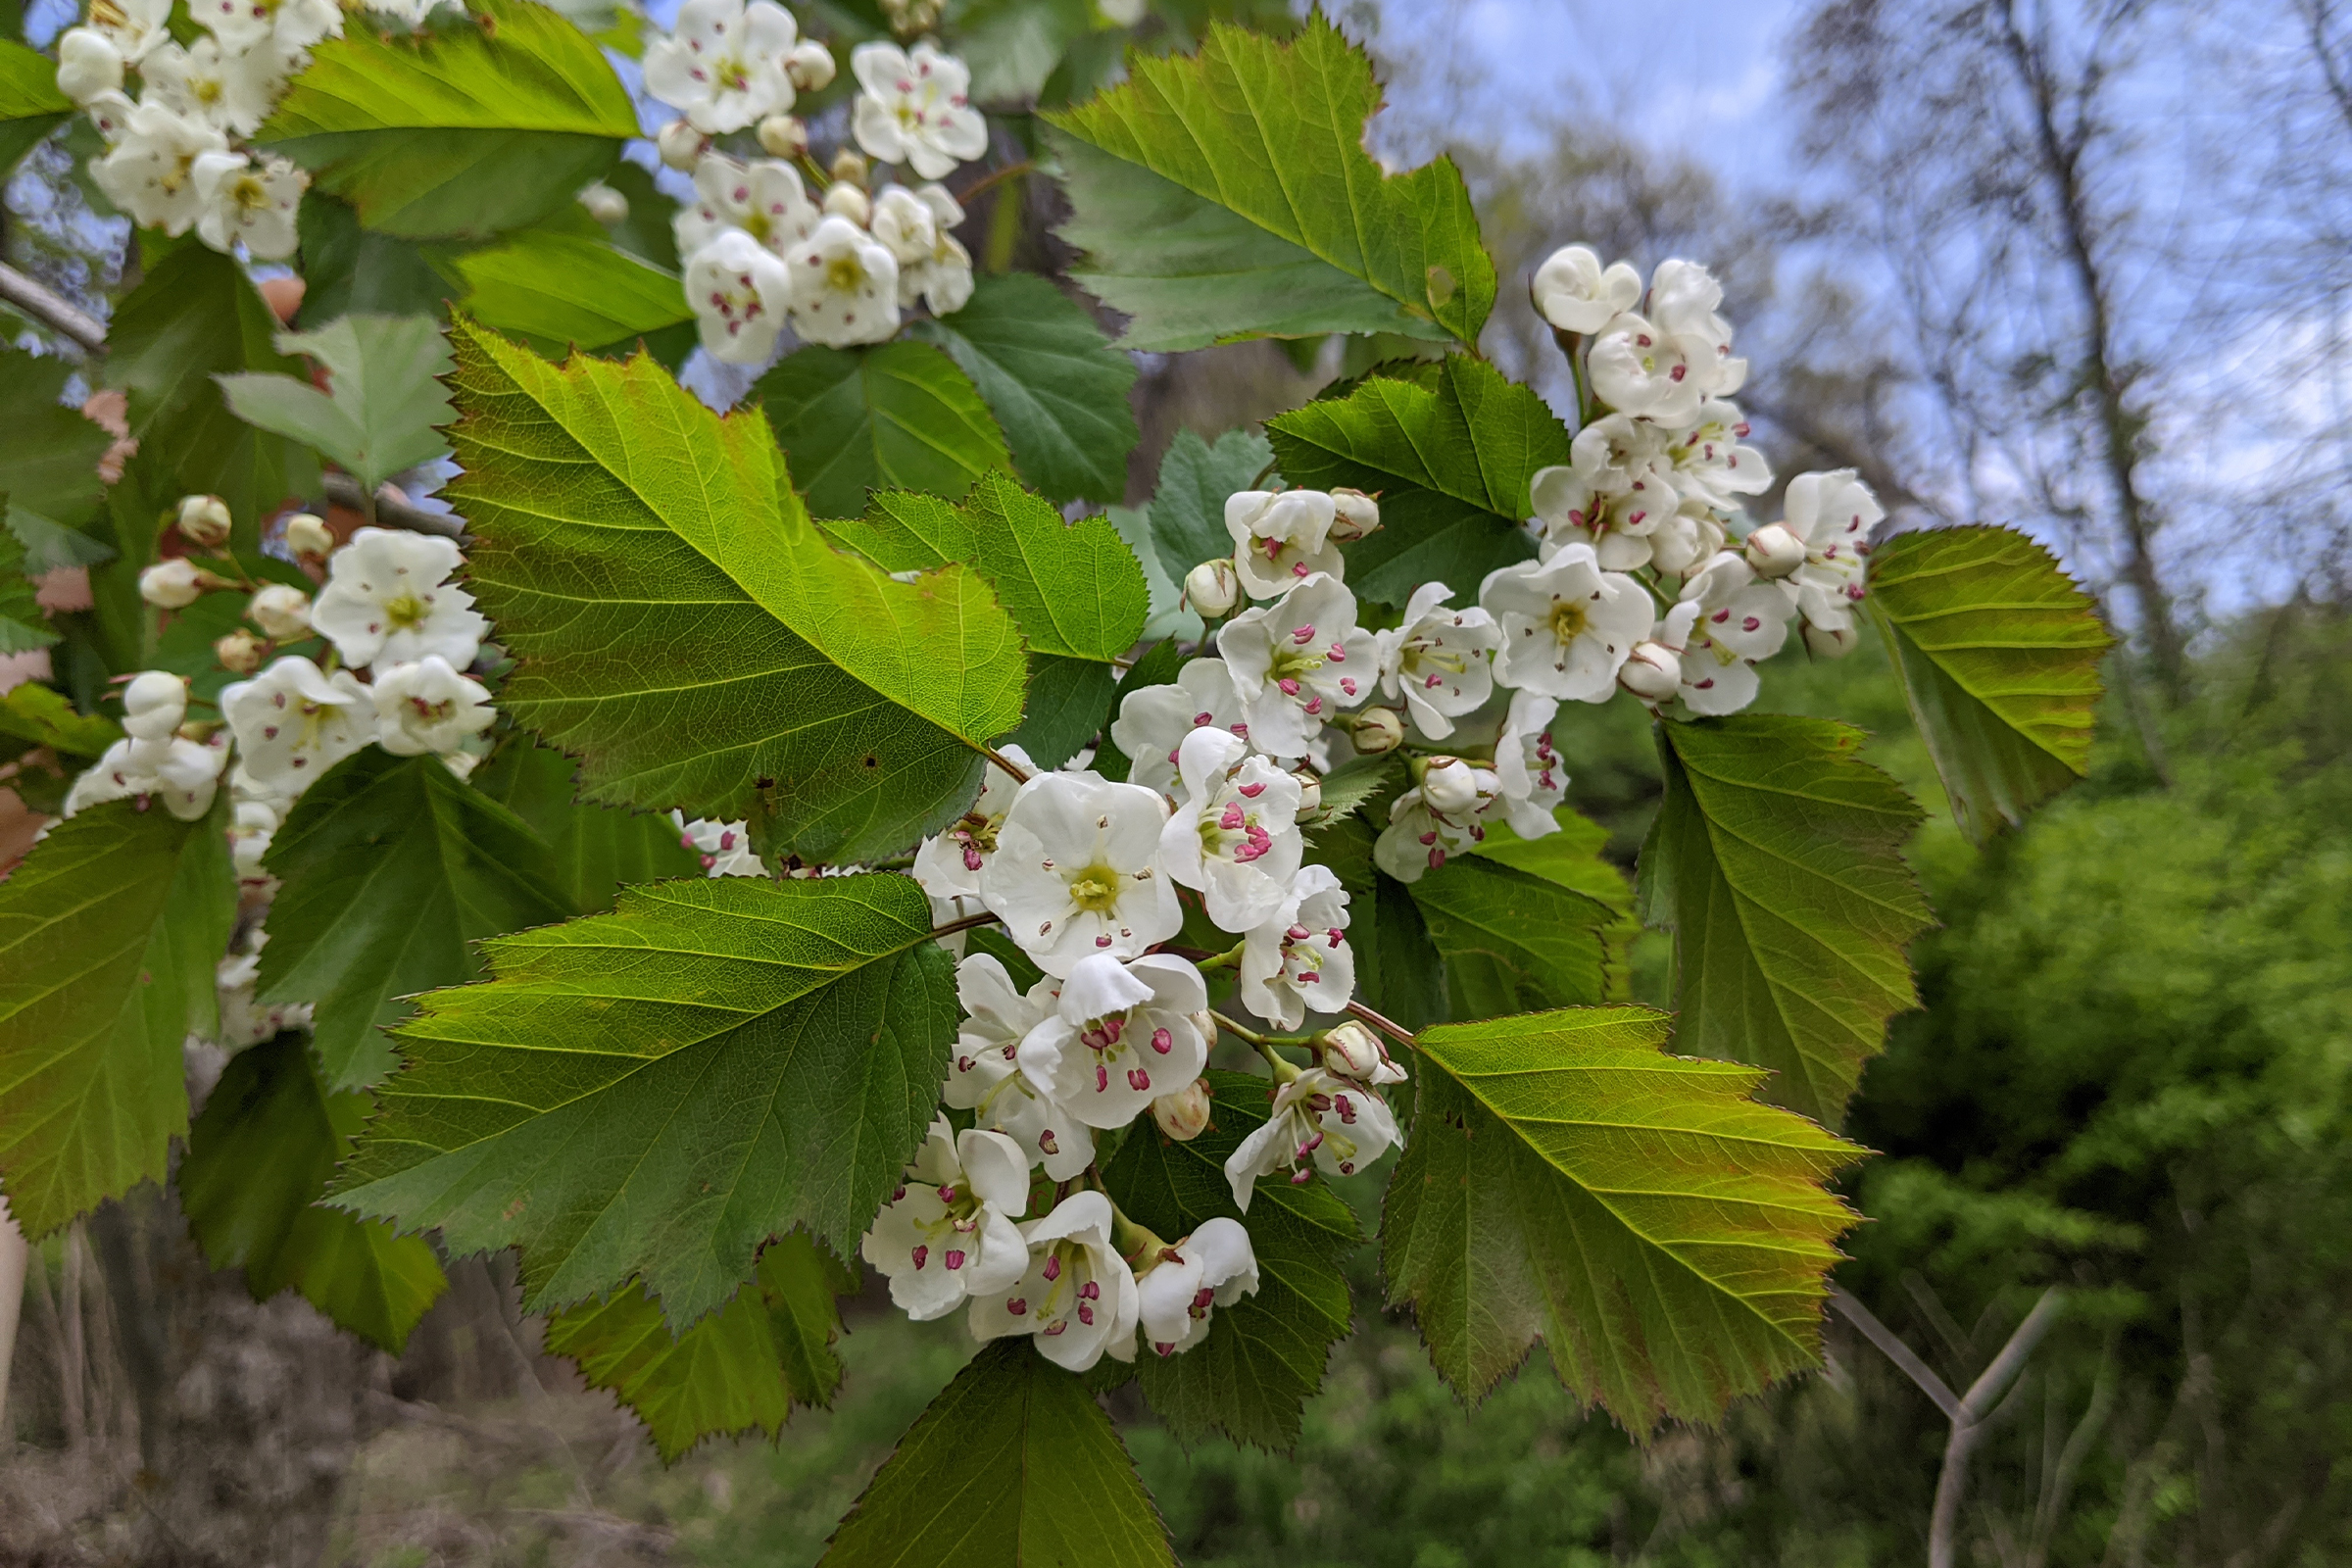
pixel 1184 1114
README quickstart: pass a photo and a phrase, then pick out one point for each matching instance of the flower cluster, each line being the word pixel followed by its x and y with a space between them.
pixel 174 157
pixel 760 252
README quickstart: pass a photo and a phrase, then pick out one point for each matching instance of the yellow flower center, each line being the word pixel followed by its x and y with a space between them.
pixel 844 273
pixel 403 611
pixel 1569 621
pixel 1096 889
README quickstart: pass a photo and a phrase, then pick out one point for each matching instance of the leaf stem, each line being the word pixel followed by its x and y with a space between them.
pixel 965 923
pixel 1020 774
pixel 1230 959
pixel 1394 1030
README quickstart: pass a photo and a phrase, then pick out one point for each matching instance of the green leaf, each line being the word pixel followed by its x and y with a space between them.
pixel 1188 509
pixel 901 417
pixel 1354 785
pixel 347 267
pixel 1057 388
pixel 682 627
pixel 41 715
pixel 108 932
pixel 1452 461
pixel 596 850
pixel 1999 655
pixel 744 1366
pixel 1776 861
pixel 258 1158
pixel 49 485
pixel 1574 858
pixel 23 626
pixel 1513 941
pixel 1665 1235
pixel 1014 1465
pixel 657 1091
pixel 1013 45
pixel 1228 195
pixel 1264 1354
pixel 562 291
pixel 466 130
pixel 30 106
pixel 383 399
pixel 392 867
pixel 1073 589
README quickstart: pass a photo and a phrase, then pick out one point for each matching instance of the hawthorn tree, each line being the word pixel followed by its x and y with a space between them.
pixel 709 852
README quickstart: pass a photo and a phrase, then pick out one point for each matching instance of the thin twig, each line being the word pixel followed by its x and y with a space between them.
pixel 385 513
pixel 965 923
pixel 993 177
pixel 1907 1359
pixel 85 330
pixel 1394 1030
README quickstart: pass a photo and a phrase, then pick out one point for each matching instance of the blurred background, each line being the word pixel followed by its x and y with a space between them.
pixel 2080 265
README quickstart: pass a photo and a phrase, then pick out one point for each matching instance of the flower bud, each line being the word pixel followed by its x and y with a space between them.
pixel 240 650
pixel 605 205
pixel 1213 587
pixel 810 68
pixel 281 610
pixel 680 145
pixel 1827 642
pixel 1450 785
pixel 87 64
pixel 1184 1114
pixel 1653 671
pixel 1353 1050
pixel 1775 551
pixel 1358 514
pixel 203 521
pixel 307 537
pixel 1206 1023
pixel 1310 791
pixel 783 136
pixel 172 584
pixel 850 165
pixel 845 200
pixel 1375 730
pixel 153 705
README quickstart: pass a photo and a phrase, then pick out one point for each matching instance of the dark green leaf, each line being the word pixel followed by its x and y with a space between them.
pixel 347 267
pixel 1229 194
pixel 1069 703
pixel 744 1366
pixel 901 417
pixel 1776 861
pixel 657 1091
pixel 23 626
pixel 258 1159
pixel 1566 1179
pixel 1188 509
pixel 1013 1466
pixel 1512 941
pixel 596 850
pixel 1999 654
pixel 1264 1354
pixel 392 867
pixel 1573 858
pixel 109 932
pixel 1451 461
pixel 49 485
pixel 562 291
pixel 1057 386
pixel 1013 45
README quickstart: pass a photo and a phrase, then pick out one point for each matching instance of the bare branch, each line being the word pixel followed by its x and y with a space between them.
pixel 52 311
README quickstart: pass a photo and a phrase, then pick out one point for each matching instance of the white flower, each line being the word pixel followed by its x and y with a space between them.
pixel 153 704
pixel 1746 617
pixel 1833 513
pixel 901 221
pixel 1575 294
pixel 1076 871
pixel 1566 624
pixel 1281 537
pixel 725 848
pixel 1212 1268
pixel 250 831
pixel 1077 1297
pixel 1440 659
pixel 206 83
pixel 948 1232
pixel 87 64
pixel 912 110
pixel 412 12
pixel 151 170
pixel 763 198
pixel 948 865
pixel 135 28
pixel 1528 776
pixel 1420 835
pixel 1640 368
pixel 249 206
pixel 1300 959
pixel 1711 678
pixel 1709 464
pixel 1619 521
pixel 427 708
pixel 844 286
pixel 281 610
pixel 1683 297
pixel 1153 721
pixel 722 66
pixel 1613 451
pixel 1343 1125
pixel 1296 661
pixel 293 723
pixel 180 773
pixel 739 291
pixel 290 26
pixel 984 1076
pixel 941 278
pixel 388 600
pixel 1234 836
pixel 1121 1036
